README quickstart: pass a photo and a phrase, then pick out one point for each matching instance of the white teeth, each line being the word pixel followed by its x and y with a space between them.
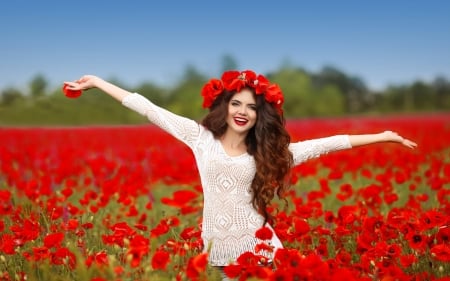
pixel 240 121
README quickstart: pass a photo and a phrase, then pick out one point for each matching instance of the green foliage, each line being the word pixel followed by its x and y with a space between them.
pixel 38 86
pixel 185 98
pixel 11 96
pixel 330 92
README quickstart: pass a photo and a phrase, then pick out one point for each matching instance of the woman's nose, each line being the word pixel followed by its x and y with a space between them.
pixel 242 110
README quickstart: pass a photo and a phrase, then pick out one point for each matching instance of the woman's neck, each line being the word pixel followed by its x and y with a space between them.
pixel 234 143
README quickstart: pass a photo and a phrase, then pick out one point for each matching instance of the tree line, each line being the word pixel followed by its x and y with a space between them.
pixel 328 93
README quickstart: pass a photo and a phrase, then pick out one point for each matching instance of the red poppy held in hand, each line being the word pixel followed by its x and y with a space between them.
pixel 71 93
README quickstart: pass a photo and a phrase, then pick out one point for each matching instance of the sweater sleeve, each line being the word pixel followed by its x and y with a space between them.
pixel 184 129
pixel 305 150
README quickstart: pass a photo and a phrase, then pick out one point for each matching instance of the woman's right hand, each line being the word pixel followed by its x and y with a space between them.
pixel 86 82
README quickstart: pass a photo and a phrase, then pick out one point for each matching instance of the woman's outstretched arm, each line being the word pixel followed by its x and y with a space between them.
pixel 386 136
pixel 309 149
pixel 90 81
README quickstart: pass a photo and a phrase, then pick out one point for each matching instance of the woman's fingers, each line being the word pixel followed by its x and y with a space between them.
pixel 409 143
pixel 73 85
pixel 394 136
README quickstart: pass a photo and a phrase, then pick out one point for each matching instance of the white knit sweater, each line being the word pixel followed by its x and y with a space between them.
pixel 229 219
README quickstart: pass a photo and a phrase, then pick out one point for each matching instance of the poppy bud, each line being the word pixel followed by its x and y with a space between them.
pixel 71 93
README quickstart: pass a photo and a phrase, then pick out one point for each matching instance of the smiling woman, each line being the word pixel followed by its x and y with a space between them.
pixel 244 156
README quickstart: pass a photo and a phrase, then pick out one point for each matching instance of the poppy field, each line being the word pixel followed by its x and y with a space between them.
pixel 125 203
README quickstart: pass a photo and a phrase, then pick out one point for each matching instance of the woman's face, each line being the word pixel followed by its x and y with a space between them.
pixel 241 111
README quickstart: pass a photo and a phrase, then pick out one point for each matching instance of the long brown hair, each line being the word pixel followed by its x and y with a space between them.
pixel 267 142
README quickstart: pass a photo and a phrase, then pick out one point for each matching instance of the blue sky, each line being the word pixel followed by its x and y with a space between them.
pixel 383 42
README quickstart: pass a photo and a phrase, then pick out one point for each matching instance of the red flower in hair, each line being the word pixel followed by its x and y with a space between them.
pixel 274 95
pixel 71 93
pixel 234 80
pixel 210 91
pixel 249 77
pixel 261 83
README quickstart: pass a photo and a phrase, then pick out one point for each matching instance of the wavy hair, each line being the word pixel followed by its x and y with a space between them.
pixel 267 142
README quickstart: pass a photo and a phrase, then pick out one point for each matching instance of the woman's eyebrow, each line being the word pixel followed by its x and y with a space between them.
pixel 241 102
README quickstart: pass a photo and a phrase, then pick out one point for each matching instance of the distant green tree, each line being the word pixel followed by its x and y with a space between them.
pixel 185 98
pixel 154 93
pixel 330 102
pixel 10 96
pixel 352 88
pixel 329 92
pixel 297 90
pixel 441 87
pixel 395 99
pixel 38 86
pixel 419 96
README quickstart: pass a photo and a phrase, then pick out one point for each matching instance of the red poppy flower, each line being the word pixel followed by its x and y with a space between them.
pixel 441 252
pixel 190 232
pixel 443 235
pixel 274 95
pixel 160 260
pixel 264 233
pixel 210 92
pixel 263 247
pixel 164 226
pixel 71 93
pixel 343 257
pixel 53 240
pixel 41 253
pixel 100 259
pixel 407 260
pixel 141 227
pixel 7 244
pixel 196 266
pixel 139 247
pixel 431 219
pixel 64 256
pixel 87 225
pixel 287 258
pixel 248 265
pixel 233 270
pixel 180 198
pixel 119 270
pixel 72 224
pixel 233 80
pixel 260 84
pixel 329 216
pixel 301 226
pixel 417 241
pixel 98 279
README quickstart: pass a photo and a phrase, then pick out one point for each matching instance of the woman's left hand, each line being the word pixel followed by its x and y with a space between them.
pixel 395 137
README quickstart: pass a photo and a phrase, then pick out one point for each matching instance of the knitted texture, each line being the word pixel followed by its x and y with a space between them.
pixel 229 219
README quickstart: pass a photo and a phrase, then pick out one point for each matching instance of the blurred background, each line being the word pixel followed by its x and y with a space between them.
pixel 331 58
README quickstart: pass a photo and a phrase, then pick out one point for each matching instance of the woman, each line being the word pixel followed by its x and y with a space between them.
pixel 243 153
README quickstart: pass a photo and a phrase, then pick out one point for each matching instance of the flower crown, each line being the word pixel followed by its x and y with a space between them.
pixel 234 80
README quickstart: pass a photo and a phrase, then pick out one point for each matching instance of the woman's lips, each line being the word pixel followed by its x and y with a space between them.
pixel 240 121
